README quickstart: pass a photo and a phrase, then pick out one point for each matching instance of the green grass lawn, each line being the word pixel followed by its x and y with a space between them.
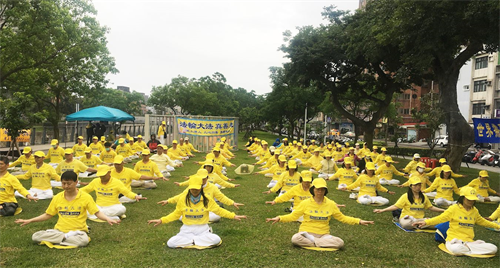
pixel 249 243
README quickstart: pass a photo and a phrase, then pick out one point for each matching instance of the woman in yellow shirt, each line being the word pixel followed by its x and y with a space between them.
pixel 462 217
pixel 412 205
pixel 368 186
pixel 287 180
pixel 444 185
pixel 483 188
pixel 275 171
pixel 194 209
pixel 317 212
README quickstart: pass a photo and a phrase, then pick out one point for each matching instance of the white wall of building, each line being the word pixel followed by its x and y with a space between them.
pixel 463 89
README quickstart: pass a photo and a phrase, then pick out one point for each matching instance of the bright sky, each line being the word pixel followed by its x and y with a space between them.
pixel 154 41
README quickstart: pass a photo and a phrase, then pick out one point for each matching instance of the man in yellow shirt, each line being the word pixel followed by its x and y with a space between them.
pixel 40 175
pixel 107 191
pixel 175 153
pixel 55 154
pixel 381 157
pixel 26 160
pixel 91 161
pixel 387 171
pixel 124 150
pixel 136 147
pixel 412 165
pixel 70 164
pixel 79 148
pixel 95 146
pixel 184 148
pixel 140 142
pixel 108 154
pixel 148 168
pixel 483 189
pixel 165 164
pixel 72 206
pixel 9 183
pixel 190 145
pixel 126 176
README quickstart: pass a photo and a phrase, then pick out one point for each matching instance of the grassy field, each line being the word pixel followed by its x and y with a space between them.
pixel 249 243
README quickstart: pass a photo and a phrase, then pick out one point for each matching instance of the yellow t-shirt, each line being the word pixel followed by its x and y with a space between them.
pixel 92 162
pixel 107 156
pixel 107 194
pixel 286 182
pixel 195 214
pixel 368 185
pixel 444 188
pixel 97 148
pixel 461 222
pixel 72 214
pixel 124 150
pixel 149 169
pixel 215 179
pixel 211 191
pixel 482 188
pixel 126 176
pixel 379 161
pixel 76 165
pixel 141 144
pixel 40 177
pixel 415 209
pixel 56 155
pixel 276 170
pixel 79 150
pixel 387 172
pixel 137 147
pixel 25 162
pixel 317 216
pixel 345 176
pixel 8 184
pixel 298 194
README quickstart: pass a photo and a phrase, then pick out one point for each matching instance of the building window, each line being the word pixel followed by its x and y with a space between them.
pixel 407 96
pixel 480 86
pixel 482 62
pixel 406 111
pixel 478 108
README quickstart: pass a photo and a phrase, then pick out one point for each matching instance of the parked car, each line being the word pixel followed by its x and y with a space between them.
pixel 442 141
pixel 483 145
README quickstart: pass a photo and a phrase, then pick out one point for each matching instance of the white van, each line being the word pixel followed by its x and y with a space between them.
pixel 442 141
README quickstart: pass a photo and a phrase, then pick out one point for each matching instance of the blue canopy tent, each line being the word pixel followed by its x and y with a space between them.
pixel 100 113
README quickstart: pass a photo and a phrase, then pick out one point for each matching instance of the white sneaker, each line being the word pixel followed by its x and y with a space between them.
pixel 353 196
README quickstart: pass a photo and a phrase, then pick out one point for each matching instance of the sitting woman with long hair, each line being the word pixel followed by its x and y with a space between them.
pixel 194 209
pixel 462 217
pixel 412 204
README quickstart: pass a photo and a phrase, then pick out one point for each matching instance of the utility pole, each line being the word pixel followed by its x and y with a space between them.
pixel 305 125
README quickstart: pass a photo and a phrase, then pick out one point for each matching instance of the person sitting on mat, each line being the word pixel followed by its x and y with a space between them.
pixel 314 231
pixel 412 204
pixel 194 207
pixel 462 217
pixel 483 189
pixel 72 206
pixel 445 185
pixel 9 183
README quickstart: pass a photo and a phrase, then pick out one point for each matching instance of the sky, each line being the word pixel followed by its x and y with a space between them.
pixel 154 41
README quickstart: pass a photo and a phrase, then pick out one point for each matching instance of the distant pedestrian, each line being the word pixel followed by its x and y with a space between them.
pixel 90 132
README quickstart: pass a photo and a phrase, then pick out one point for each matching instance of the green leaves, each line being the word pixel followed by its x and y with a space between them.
pixel 16 115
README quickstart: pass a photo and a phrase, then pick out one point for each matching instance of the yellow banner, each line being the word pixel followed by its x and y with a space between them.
pixel 205 127
pixel 24 136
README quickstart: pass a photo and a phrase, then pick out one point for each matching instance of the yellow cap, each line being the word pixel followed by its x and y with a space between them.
pixel 209 162
pixel 264 142
pixel 195 182
pixel 146 152
pixel 121 140
pixel 383 149
pixel 304 147
pixel 313 141
pixel 224 139
pixel 442 160
pixel 54 142
pixel 348 161
pixel 103 138
pixel 139 136
pixel 95 138
pixel 319 183
pixel 421 164
pixel 285 139
pixel 306 175
pixel 416 156
pixel 216 149
pixel 174 141
pixel 282 158
pixel 118 159
pixel 339 146
pixel 483 173
pixel 469 193
pixel 26 150
pixel 375 147
pixel 346 144
pixel 292 164
pixel 165 147
pixel 88 150
pixel 102 170
pixel 131 139
pixel 163 123
pixel 370 166
pixel 203 173
pixel 329 146
pixel 414 180
pixel 328 154
pixel 294 142
pixel 210 155
pixel 388 159
pixel 317 150
pixel 68 151
pixel 39 154
pixel 446 168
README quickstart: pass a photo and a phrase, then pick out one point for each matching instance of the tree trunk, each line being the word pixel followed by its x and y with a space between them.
pixel 460 133
pixel 369 133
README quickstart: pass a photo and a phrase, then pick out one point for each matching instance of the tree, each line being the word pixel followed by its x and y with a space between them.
pixel 437 38
pixel 338 58
pixel 54 50
pixel 432 113
pixel 128 102
pixel 16 115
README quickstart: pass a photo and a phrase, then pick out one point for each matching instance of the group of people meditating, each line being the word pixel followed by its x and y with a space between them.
pixel 198 204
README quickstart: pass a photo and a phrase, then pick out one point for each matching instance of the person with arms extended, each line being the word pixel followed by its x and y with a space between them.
pixel 9 183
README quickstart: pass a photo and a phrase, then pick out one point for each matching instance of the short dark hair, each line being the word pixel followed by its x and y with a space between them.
pixel 107 144
pixel 69 176
pixel 4 159
pixel 311 190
